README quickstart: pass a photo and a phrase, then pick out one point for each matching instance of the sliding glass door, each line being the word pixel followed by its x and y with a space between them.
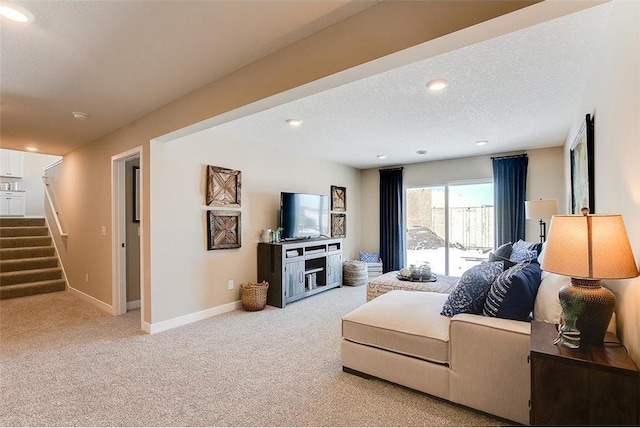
pixel 449 226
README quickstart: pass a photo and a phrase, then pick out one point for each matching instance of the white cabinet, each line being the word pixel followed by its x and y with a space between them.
pixel 11 163
pixel 12 203
pixel 334 269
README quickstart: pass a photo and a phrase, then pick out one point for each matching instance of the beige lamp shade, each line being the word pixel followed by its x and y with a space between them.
pixel 541 208
pixel 592 246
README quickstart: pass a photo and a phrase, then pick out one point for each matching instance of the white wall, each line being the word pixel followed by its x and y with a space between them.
pixel 31 181
pixel 544 180
pixel 613 96
pixel 186 277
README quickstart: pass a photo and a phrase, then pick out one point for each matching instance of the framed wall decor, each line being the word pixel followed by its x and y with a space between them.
pixel 223 186
pixel 136 194
pixel 223 230
pixel 582 168
pixel 338 198
pixel 338 225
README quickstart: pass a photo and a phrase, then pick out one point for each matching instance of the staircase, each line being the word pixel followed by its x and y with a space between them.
pixel 28 261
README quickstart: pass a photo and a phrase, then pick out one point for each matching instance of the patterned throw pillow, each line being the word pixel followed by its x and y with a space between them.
pixel 471 291
pixel 513 293
pixel 524 250
pixel 369 257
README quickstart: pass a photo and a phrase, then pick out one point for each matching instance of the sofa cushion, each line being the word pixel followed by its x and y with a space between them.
pixel 471 290
pixel 513 293
pixel 406 322
pixel 547 306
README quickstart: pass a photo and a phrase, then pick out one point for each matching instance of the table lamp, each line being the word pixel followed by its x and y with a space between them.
pixel 589 248
pixel 542 208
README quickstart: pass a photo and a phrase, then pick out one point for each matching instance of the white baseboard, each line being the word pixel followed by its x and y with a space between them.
pixel 188 319
pixel 92 300
pixel 133 305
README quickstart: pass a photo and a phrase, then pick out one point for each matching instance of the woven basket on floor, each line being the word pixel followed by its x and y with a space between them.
pixel 254 296
pixel 354 273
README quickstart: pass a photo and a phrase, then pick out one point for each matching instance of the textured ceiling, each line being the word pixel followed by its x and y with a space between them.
pixel 518 91
pixel 119 60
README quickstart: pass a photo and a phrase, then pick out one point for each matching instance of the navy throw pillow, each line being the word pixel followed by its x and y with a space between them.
pixel 502 253
pixel 504 250
pixel 471 291
pixel 513 293
pixel 508 263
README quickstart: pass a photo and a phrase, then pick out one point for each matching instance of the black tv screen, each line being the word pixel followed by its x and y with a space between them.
pixel 304 216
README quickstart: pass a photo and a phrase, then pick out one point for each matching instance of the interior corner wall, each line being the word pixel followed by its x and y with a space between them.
pixel 187 277
pixel 544 180
pixel 613 97
pixel 85 175
pixel 82 190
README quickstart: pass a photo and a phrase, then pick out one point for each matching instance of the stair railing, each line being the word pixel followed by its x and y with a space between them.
pixel 53 208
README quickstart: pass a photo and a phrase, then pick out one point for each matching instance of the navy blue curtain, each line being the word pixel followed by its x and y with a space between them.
pixel 509 191
pixel 391 219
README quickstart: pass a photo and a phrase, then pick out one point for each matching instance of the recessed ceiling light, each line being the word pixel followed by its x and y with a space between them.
pixel 381 156
pixel 294 122
pixel 16 13
pixel 421 152
pixel 31 149
pixel 481 143
pixel 79 115
pixel 437 85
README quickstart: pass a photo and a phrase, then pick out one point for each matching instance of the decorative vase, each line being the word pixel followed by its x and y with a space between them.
pixel 569 333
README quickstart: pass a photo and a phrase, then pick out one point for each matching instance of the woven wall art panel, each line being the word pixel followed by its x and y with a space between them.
pixel 223 229
pixel 338 225
pixel 223 186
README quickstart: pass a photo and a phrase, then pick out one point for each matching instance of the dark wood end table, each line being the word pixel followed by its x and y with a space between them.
pixel 591 385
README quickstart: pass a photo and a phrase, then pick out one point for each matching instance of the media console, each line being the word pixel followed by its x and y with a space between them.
pixel 299 269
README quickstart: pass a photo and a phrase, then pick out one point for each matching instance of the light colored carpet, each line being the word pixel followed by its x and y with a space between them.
pixel 64 362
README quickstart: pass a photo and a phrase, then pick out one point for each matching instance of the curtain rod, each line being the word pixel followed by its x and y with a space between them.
pixel 508 157
pixel 400 168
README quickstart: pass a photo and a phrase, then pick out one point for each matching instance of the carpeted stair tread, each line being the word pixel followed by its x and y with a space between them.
pixel 7 232
pixel 21 221
pixel 22 253
pixel 33 275
pixel 30 263
pixel 31 288
pixel 25 241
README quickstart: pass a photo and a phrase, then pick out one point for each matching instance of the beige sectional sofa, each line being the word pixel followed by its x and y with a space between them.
pixel 473 360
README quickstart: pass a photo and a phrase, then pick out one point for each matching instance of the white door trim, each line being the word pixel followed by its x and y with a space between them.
pixel 118 228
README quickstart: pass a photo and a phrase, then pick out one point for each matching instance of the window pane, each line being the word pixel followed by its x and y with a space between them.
pixel 426 227
pixel 470 225
pixel 469 231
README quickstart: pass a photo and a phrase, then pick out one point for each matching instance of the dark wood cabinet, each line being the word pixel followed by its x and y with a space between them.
pixel 299 269
pixel 591 385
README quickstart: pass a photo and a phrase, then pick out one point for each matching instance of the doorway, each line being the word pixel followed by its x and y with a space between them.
pixel 127 227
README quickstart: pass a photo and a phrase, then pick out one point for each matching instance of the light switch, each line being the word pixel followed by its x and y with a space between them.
pixel 104 230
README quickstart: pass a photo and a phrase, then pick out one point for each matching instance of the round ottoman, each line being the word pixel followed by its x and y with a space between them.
pixel 354 273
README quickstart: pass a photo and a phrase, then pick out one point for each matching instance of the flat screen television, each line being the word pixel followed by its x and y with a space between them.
pixel 303 216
